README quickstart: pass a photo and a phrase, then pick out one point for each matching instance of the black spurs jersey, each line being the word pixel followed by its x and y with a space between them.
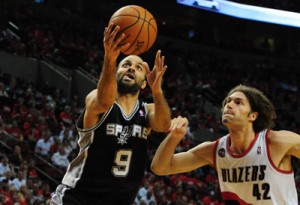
pixel 112 157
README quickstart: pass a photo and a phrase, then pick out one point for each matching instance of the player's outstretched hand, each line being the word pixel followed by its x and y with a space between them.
pixel 154 77
pixel 178 127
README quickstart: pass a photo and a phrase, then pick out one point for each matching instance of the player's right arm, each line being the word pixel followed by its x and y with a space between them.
pixel 101 99
pixel 166 162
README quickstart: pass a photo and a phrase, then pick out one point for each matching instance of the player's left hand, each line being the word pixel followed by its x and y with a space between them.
pixel 154 77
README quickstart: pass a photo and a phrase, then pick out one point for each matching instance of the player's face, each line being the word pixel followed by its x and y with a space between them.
pixel 236 111
pixel 131 75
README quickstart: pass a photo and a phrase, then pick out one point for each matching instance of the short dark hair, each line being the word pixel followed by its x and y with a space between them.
pixel 259 103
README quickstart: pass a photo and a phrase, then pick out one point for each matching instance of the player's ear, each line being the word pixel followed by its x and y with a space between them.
pixel 253 116
pixel 144 84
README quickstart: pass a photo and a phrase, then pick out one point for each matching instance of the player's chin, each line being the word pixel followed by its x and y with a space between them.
pixel 225 120
pixel 128 82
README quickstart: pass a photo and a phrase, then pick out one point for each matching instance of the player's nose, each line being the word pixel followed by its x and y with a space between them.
pixel 229 105
pixel 131 69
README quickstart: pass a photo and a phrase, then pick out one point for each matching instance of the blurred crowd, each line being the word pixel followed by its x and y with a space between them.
pixel 36 126
pixel 37 123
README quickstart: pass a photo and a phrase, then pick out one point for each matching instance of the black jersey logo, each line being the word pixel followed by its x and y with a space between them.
pixel 126 132
pixel 221 152
pixel 259 150
pixel 142 114
pixel 122 139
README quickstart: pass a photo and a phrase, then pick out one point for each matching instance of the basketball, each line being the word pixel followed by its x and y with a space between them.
pixel 139 27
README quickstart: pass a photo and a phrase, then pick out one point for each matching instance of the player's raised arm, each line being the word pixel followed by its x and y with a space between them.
pixel 159 112
pixel 166 161
pixel 100 99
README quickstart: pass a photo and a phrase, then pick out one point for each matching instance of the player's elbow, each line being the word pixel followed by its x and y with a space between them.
pixel 158 170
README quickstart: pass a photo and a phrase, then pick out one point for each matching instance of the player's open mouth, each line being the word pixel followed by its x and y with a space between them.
pixel 128 76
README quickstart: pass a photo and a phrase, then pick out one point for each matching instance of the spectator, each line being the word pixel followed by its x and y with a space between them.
pixel 5 192
pixel 66 115
pixel 18 181
pixel 3 92
pixel 5 166
pixel 73 141
pixel 16 200
pixel 20 109
pixel 49 114
pixel 149 198
pixel 44 144
pixel 66 132
pixel 60 158
pixel 16 157
pixel 37 194
pixel 16 132
pixel 28 125
pixel 12 87
pixel 142 193
pixel 32 173
pixel 54 146
pixel 45 190
pixel 23 192
pixel 67 146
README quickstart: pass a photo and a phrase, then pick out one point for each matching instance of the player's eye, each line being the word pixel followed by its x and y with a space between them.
pixel 126 65
pixel 140 68
pixel 238 102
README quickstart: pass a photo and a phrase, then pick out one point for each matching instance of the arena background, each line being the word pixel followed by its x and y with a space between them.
pixel 50 58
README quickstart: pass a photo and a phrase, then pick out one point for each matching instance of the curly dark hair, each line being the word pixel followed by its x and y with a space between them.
pixel 259 103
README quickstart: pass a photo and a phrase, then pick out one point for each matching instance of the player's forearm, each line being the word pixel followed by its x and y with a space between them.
pixel 107 84
pixel 162 116
pixel 162 161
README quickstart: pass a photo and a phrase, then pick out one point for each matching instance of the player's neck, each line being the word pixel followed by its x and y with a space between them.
pixel 241 140
pixel 127 98
pixel 127 103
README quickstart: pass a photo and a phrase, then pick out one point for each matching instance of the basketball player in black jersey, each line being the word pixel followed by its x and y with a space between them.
pixel 113 130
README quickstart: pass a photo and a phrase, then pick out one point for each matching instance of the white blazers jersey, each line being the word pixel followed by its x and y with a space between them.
pixel 252 178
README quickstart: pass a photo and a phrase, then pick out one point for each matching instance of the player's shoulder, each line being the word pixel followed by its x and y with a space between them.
pixel 92 93
pixel 90 96
pixel 279 135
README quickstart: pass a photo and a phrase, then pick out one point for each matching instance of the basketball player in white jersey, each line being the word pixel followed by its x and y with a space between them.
pixel 113 130
pixel 253 162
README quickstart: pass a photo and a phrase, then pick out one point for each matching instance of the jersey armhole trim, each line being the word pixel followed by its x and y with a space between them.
pixel 215 153
pixel 104 116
